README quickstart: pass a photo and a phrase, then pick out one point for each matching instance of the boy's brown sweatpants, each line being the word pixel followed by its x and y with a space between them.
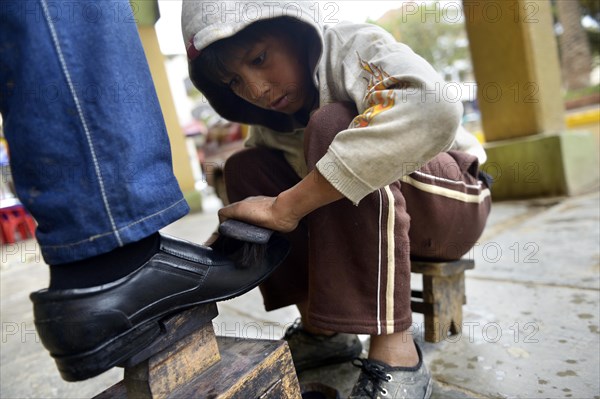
pixel 351 262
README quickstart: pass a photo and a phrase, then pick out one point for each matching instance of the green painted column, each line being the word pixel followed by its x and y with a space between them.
pixel 516 65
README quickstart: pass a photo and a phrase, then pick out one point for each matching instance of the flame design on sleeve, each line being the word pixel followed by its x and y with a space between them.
pixel 380 95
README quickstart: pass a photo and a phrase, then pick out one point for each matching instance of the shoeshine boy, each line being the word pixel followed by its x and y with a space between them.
pixel 349 157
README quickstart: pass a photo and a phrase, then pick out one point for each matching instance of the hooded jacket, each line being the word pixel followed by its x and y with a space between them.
pixel 407 113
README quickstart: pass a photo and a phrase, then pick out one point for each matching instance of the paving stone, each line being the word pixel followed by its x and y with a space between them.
pixel 523 341
pixel 556 247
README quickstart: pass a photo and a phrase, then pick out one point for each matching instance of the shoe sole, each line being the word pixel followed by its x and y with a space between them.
pixel 122 347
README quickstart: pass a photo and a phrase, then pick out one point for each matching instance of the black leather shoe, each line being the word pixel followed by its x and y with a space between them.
pixel 90 330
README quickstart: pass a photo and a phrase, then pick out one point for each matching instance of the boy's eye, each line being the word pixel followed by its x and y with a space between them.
pixel 260 59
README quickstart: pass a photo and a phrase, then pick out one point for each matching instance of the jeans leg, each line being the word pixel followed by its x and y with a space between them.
pixel 89 150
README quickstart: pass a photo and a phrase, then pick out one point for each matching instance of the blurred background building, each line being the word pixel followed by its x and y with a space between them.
pixel 438 31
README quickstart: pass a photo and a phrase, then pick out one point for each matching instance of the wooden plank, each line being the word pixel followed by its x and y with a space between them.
pixel 446 295
pixel 174 367
pixel 248 369
pixel 442 296
pixel 186 348
pixel 275 391
pixel 175 328
pixel 441 268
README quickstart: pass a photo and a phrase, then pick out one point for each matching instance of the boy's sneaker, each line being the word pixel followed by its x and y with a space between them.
pixel 381 381
pixel 311 350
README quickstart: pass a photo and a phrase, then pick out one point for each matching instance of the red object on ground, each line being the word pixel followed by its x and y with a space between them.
pixel 15 219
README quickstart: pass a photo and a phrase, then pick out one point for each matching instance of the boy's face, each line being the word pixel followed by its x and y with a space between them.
pixel 271 74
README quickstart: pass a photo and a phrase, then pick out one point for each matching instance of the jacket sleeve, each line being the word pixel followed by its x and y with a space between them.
pixel 407 114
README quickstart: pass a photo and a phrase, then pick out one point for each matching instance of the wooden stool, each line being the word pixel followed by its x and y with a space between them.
pixel 191 362
pixel 442 297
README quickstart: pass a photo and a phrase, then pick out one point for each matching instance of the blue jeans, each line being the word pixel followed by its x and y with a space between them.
pixel 88 146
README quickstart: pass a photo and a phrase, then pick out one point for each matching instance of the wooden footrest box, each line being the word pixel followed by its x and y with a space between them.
pixel 189 361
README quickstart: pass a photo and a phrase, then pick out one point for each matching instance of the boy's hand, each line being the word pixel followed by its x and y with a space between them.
pixel 284 212
pixel 261 211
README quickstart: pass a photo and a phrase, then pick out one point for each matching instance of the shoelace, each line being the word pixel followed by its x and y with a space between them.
pixel 374 373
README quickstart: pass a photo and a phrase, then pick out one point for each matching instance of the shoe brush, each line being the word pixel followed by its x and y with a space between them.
pixel 244 243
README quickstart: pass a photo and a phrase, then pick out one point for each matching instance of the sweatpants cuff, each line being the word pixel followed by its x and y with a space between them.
pixel 362 326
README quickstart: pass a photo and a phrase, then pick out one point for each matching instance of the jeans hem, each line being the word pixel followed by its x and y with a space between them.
pixel 106 242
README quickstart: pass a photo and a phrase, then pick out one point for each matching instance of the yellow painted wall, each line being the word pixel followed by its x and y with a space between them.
pixel 181 161
pixel 516 65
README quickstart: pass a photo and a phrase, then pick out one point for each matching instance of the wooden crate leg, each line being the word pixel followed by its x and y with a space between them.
pixel 174 367
pixel 446 294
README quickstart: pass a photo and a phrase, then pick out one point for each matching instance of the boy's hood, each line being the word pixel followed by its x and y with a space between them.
pixel 205 22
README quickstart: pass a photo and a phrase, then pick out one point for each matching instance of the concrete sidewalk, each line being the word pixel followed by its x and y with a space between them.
pixel 530 328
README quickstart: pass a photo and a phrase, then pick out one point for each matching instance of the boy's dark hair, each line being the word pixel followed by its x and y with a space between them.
pixel 213 60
